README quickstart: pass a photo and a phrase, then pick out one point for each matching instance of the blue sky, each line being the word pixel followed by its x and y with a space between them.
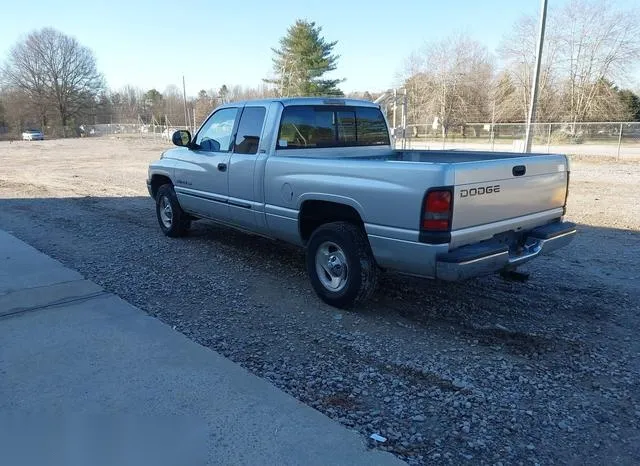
pixel 152 43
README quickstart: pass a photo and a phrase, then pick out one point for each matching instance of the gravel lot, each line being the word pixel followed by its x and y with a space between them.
pixel 482 372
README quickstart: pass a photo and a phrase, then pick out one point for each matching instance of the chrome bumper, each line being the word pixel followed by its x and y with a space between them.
pixel 494 255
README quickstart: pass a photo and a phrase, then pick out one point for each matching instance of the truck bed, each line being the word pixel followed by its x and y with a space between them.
pixel 452 156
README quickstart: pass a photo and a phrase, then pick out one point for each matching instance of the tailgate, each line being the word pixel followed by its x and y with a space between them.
pixel 490 191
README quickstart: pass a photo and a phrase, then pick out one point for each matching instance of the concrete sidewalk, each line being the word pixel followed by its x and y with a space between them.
pixel 91 379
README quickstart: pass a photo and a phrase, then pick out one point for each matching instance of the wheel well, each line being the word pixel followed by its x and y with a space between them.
pixel 157 181
pixel 316 213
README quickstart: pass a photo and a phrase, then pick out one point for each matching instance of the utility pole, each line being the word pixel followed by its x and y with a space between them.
pixel 619 140
pixel 184 96
pixel 492 134
pixel 395 105
pixel 404 119
pixel 536 78
pixel 282 73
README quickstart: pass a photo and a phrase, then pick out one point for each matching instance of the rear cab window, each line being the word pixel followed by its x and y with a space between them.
pixel 308 126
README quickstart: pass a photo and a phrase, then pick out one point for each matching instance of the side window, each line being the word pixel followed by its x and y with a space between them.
pixel 371 127
pixel 215 135
pixel 249 130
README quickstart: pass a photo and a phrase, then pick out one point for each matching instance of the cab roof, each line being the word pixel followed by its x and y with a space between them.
pixel 287 101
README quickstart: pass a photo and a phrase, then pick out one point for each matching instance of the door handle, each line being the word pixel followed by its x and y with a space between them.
pixel 519 170
pixel 222 167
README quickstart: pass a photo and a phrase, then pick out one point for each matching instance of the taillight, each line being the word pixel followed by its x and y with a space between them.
pixel 436 210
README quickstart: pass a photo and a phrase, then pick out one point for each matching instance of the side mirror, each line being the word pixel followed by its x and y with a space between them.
pixel 181 138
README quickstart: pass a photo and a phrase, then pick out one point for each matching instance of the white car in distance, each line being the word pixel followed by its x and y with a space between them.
pixel 32 135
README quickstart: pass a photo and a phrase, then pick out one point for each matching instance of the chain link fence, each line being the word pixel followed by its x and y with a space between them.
pixel 130 130
pixel 609 139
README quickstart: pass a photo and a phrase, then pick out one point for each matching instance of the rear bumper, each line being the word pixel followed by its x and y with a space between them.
pixel 495 255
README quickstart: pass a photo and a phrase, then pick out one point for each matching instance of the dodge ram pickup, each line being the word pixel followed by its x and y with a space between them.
pixel 323 174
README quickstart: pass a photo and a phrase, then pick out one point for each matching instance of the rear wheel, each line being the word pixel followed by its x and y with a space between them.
pixel 340 264
pixel 174 222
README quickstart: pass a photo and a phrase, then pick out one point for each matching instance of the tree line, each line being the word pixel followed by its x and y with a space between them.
pixel 589 46
pixel 135 105
pixel 50 81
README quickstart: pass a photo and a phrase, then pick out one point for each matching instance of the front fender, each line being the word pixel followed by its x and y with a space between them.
pixel 162 167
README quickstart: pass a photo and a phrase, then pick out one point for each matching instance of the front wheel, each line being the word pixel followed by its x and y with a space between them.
pixel 174 222
pixel 340 264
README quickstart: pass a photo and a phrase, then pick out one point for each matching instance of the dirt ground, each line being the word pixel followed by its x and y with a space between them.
pixel 485 372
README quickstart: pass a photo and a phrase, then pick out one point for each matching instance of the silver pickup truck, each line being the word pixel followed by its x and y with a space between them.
pixel 322 174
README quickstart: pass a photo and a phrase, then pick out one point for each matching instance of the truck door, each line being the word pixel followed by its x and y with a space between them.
pixel 244 187
pixel 202 184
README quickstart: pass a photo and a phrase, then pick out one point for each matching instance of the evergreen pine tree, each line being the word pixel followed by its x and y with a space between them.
pixel 302 60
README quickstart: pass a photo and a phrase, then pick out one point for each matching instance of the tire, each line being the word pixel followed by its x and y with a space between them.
pixel 340 264
pixel 174 222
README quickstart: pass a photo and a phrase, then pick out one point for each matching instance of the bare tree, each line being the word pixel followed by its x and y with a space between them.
pixel 203 105
pixel 3 114
pixel 506 99
pixel 237 93
pixel 597 42
pixel 606 104
pixel 449 82
pixel 588 42
pixel 18 112
pixel 173 105
pixel 416 82
pixel 366 95
pixel 23 77
pixel 517 52
pixel 126 104
pixel 55 71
